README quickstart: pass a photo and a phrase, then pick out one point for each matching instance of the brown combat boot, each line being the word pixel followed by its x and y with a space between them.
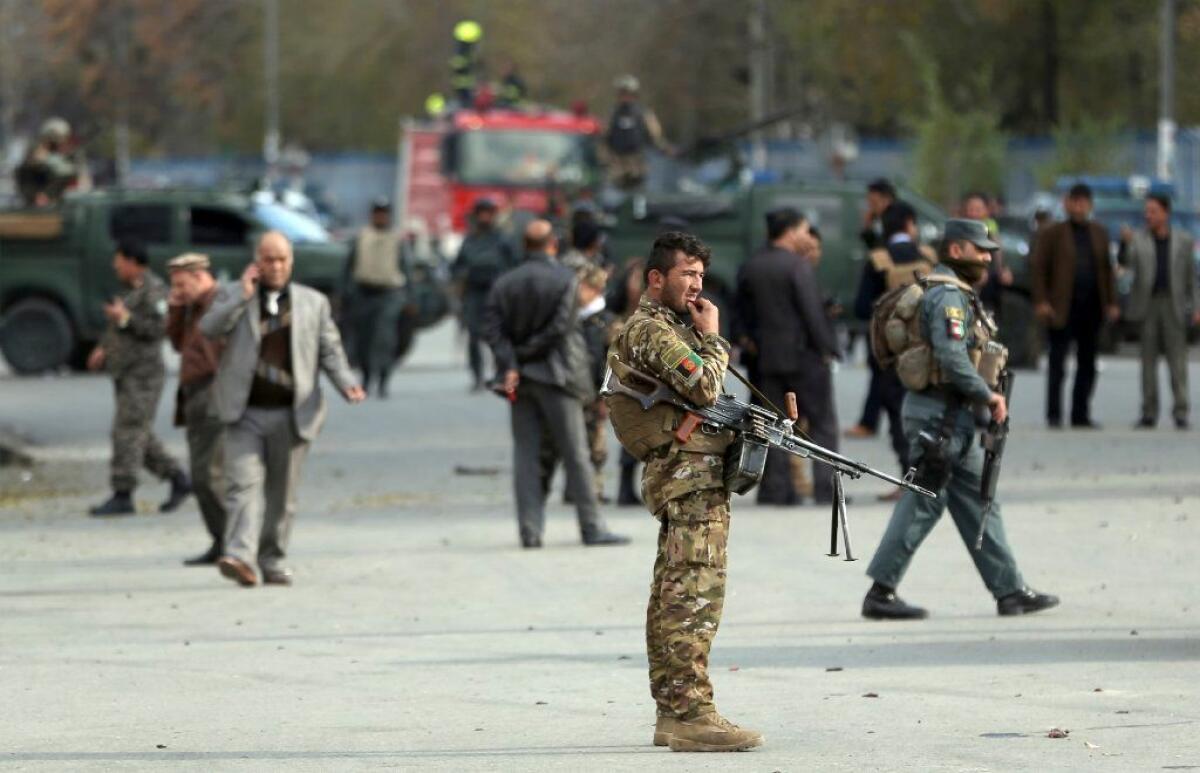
pixel 712 733
pixel 664 727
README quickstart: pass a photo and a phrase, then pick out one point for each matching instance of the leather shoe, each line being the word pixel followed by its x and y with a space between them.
pixel 531 542
pixel 181 489
pixel 883 604
pixel 120 503
pixel 278 576
pixel 605 538
pixel 1145 423
pixel 207 558
pixel 237 570
pixel 1024 602
pixel 1084 424
pixel 1182 424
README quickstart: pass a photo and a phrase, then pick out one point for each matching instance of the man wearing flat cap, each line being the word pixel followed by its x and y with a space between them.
pixel 950 368
pixel 377 278
pixel 192 291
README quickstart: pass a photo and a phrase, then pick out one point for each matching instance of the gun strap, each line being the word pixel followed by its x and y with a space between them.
pixel 755 391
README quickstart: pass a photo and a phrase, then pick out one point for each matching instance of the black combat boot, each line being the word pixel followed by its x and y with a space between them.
pixel 181 489
pixel 1024 602
pixel 120 503
pixel 882 603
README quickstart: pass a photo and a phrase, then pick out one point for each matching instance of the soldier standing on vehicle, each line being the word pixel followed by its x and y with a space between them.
pixel 485 254
pixel 48 169
pixel 131 351
pixel 377 282
pixel 685 490
pixel 632 130
pixel 192 291
pixel 945 385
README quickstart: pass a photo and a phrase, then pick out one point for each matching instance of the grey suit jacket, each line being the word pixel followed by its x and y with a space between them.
pixel 1140 258
pixel 316 345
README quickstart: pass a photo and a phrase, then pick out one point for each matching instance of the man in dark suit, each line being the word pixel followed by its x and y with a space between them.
pixel 530 322
pixel 781 308
pixel 1073 291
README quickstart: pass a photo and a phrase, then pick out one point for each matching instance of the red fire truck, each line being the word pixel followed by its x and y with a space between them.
pixel 518 158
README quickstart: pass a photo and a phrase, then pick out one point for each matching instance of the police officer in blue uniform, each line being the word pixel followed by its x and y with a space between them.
pixel 939 423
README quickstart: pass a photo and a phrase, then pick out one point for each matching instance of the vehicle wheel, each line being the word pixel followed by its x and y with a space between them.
pixel 35 336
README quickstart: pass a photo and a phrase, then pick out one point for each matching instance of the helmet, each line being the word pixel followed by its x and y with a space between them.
pixel 627 83
pixel 55 129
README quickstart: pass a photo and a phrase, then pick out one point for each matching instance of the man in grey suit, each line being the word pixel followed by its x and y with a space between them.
pixel 1164 298
pixel 278 335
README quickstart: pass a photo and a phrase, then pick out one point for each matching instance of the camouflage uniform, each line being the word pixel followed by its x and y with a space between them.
pixel 683 487
pixel 133 357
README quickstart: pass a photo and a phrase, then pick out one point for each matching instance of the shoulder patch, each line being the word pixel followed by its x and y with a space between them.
pixel 953 312
pixel 680 358
pixel 954 328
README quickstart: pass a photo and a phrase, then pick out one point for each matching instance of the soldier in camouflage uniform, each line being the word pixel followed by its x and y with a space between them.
pixel 683 486
pixel 131 351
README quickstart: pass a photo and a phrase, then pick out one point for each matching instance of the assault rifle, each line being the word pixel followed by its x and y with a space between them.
pixel 758 429
pixel 992 441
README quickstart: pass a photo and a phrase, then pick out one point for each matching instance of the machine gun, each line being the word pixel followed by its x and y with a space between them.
pixel 758 430
pixel 992 440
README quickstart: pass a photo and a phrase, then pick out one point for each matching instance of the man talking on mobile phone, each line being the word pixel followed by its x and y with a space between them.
pixel 279 337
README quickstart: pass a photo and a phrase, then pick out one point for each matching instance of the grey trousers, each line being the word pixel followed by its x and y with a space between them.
pixel 543 409
pixel 915 516
pixel 205 441
pixel 1163 333
pixel 263 456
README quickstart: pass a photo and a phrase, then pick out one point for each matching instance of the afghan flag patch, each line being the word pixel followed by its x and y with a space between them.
pixel 683 360
pixel 954 329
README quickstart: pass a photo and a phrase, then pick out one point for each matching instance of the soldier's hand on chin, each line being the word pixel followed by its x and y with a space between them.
pixel 999 407
pixel 704 316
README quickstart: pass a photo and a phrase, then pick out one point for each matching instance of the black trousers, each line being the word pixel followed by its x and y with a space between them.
pixel 814 396
pixel 874 402
pixel 891 398
pixel 1082 330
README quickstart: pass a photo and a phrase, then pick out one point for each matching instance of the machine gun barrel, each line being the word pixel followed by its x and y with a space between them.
pixel 853 468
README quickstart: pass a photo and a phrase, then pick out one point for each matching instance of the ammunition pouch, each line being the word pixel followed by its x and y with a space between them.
pixel 745 462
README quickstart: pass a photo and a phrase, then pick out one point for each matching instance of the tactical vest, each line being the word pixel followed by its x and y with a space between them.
pixel 898 339
pixel 376 259
pixel 642 432
pixel 627 133
pixel 901 274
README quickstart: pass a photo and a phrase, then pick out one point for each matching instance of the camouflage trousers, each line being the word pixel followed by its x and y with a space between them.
pixel 687 595
pixel 133 442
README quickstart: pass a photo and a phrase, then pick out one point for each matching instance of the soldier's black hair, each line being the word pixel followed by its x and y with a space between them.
pixel 896 217
pixel 134 250
pixel 782 220
pixel 882 186
pixel 1162 199
pixel 814 233
pixel 662 254
pixel 1080 191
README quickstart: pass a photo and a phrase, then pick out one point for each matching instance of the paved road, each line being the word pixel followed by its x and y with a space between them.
pixel 419 636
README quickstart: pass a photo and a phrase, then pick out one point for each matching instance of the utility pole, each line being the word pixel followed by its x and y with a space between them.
pixel 1166 92
pixel 271 82
pixel 760 75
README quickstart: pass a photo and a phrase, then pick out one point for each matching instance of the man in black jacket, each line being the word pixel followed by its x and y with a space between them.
pixel 530 324
pixel 784 317
pixel 898 262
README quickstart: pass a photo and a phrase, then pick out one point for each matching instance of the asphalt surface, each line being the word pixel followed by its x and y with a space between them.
pixel 418 635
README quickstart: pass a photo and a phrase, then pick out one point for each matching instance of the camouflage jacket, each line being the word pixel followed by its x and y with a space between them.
pixel 655 341
pixel 137 346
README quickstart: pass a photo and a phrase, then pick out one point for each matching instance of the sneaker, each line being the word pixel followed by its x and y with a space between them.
pixel 711 733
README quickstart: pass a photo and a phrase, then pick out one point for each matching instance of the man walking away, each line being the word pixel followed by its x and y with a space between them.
pixel 192 291
pixel 783 314
pixel 377 281
pixel 1164 299
pixel 1073 290
pixel 484 256
pixel 530 324
pixel 131 350
pixel 279 336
